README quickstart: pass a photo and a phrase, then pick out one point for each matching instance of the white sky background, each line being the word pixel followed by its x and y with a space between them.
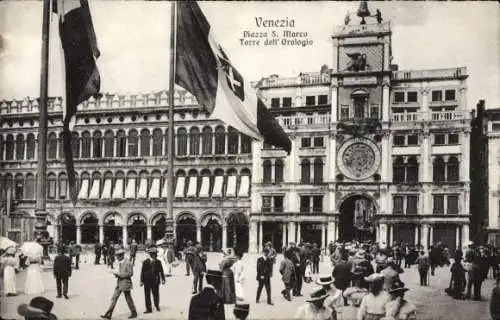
pixel 133 37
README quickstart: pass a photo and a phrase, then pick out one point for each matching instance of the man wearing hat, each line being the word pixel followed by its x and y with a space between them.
pixel 315 309
pixel 241 310
pixel 334 299
pixel 264 267
pixel 398 307
pixel 124 284
pixel 207 304
pixel 199 266
pixel 39 308
pixel 189 253
pixel 151 275
pixel 62 272
pixel 390 274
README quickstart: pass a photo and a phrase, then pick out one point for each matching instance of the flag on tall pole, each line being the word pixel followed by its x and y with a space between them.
pixel 82 79
pixel 204 69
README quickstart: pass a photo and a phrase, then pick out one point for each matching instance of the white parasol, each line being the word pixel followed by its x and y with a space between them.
pixel 6 243
pixel 32 249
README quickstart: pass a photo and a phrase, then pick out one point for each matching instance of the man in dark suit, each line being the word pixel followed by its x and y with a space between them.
pixel 97 252
pixel 207 304
pixel 299 261
pixel 198 265
pixel 133 251
pixel 62 271
pixel 151 275
pixel 342 273
pixel 264 269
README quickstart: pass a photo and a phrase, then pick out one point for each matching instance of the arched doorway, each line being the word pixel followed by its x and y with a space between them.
pixel 185 229
pixel 137 228
pixel 211 232
pixel 67 223
pixel 89 227
pixel 357 219
pixel 159 224
pixel 237 232
pixel 113 226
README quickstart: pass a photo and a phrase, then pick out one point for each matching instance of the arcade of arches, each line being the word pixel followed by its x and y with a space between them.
pixel 212 232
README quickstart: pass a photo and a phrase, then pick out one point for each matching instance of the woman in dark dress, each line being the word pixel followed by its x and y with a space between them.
pixel 457 282
pixel 228 289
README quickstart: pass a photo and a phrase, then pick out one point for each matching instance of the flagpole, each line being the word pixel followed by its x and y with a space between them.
pixel 169 230
pixel 40 210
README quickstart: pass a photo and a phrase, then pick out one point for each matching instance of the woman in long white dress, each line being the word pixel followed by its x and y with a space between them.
pixel 10 264
pixel 162 256
pixel 34 282
pixel 239 277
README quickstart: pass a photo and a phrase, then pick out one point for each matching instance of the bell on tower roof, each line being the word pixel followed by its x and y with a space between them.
pixel 363 11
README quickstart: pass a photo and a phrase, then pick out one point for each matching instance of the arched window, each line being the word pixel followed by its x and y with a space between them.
pixel 52 146
pixel 97 147
pixel 267 171
pixel 75 145
pixel 194 141
pixel 19 187
pixel 63 185
pixel 278 171
pixel 86 143
pixel 96 176
pixel 85 176
pixel 318 171
pixel 438 169
pixel 453 169
pixel 20 147
pixel 246 144
pixel 157 142
pixel 29 187
pixel 207 140
pixel 145 143
pixel 9 147
pixel 1 147
pixel 30 146
pixel 181 142
pixel 109 143
pixel 305 167
pixel 121 144
pixel 398 170
pixel 132 143
pixel 51 185
pixel 220 140
pixel 412 171
pixel 232 140
pixel 9 182
pixel 60 142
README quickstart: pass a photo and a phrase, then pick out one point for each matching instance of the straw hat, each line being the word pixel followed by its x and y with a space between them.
pixel 398 287
pixel 374 277
pixel 38 308
pixel 318 294
pixel 119 252
pixel 324 280
pixel 152 250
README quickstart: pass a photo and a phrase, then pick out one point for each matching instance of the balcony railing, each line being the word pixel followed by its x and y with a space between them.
pixel 431 116
pixel 302 121
pixel 272 209
pixel 447 73
pixel 362 29
pixel 304 79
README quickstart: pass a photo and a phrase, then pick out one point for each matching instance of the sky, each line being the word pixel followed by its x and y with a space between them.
pixel 133 37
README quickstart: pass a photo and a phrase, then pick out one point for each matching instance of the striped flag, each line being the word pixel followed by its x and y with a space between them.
pixel 204 69
pixel 82 80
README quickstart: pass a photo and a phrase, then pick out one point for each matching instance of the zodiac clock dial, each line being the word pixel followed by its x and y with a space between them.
pixel 358 158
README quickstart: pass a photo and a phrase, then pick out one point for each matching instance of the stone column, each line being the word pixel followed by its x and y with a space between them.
pixel 391 234
pixel 383 233
pixel 284 238
pixel 385 101
pixel 323 243
pixel 56 233
pixel 78 235
pixel 261 237
pixel 332 153
pixel 26 148
pixel 198 233
pixel 386 158
pixel 334 103
pixel 148 232
pixel 465 233
pixel 101 233
pixel 457 238
pixel 416 235
pixel 431 235
pixel 299 235
pixel 426 158
pixel 425 103
pixel 224 236
pixel 330 232
pixel 124 236
pixel 424 236
pixel 291 232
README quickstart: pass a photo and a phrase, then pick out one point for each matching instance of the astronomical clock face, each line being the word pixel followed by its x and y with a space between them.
pixel 358 158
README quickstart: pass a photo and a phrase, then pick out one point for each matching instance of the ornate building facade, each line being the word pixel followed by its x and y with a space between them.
pixel 377 153
pixel 120 147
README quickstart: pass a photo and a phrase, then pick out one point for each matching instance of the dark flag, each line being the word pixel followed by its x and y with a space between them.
pixel 204 69
pixel 82 78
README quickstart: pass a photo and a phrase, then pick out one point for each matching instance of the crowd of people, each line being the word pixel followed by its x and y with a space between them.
pixel 364 282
